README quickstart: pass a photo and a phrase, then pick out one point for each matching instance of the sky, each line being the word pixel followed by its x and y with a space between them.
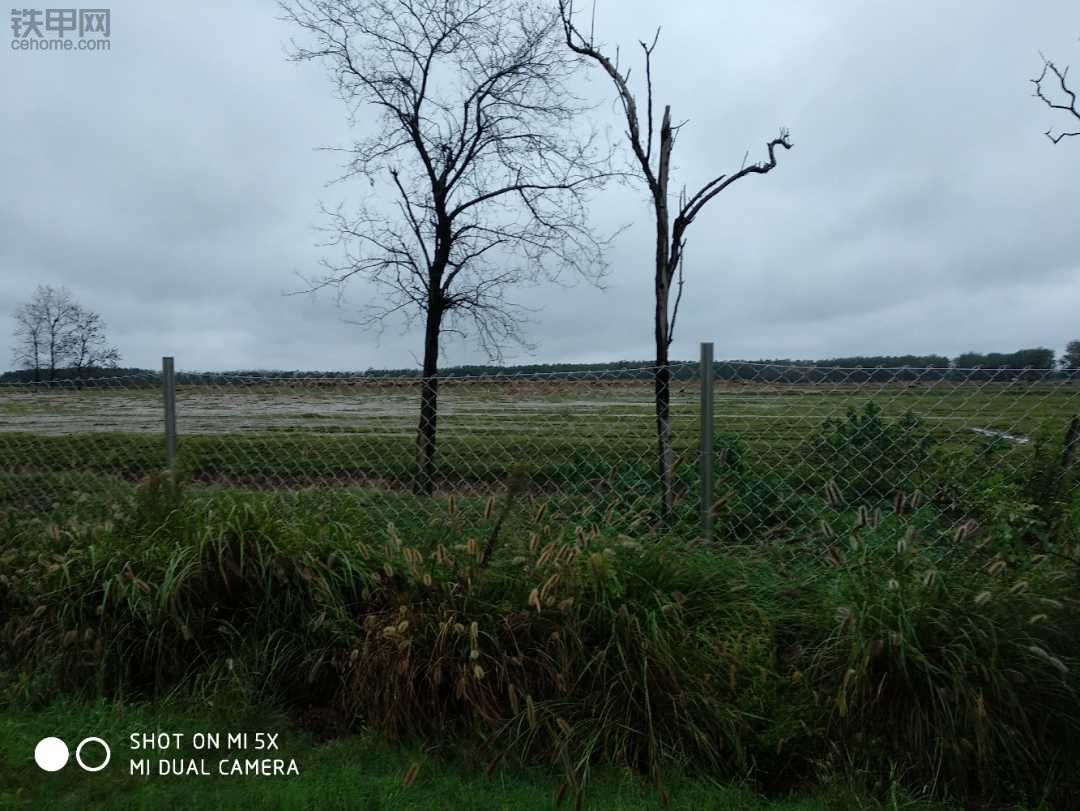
pixel 174 184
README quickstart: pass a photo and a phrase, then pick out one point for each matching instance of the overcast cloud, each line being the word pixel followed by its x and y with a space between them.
pixel 173 183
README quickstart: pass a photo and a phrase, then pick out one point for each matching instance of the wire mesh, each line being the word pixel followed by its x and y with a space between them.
pixel 795 445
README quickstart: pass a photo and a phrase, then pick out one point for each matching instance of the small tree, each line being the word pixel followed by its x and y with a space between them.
pixel 1063 99
pixel 53 331
pixel 655 169
pixel 476 141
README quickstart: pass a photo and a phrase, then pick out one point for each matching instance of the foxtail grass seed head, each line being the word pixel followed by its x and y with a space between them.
pixel 1018 587
pixel 451 505
pixel 489 507
pixel 545 555
pixel 835 557
pixel 843 616
pixel 564 725
pixel 893 584
pixel 1051 603
pixel 826 529
pixel 833 496
pixel 1053 661
pixel 534 599
pixel 905 543
pixel 964 531
pixel 862 517
pixel 996 568
pixel 530 710
pixel 538 516
pixel 410 775
pixel 983 597
pixel 549 584
pixel 1035 619
pixel 478 671
pixel 899 503
pixel 474 633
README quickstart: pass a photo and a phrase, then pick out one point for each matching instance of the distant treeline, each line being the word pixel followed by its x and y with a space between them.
pixel 860 368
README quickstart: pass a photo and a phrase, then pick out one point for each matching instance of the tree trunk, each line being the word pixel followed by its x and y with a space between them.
pixel 661 370
pixel 426 430
pixel 1072 439
pixel 665 454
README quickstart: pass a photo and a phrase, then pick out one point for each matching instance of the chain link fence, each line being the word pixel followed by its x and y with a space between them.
pixel 792 445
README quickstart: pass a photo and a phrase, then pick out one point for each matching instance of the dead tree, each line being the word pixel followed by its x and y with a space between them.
pixel 655 168
pixel 478 141
pixel 1067 104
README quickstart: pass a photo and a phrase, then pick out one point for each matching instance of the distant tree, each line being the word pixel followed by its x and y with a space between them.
pixel 652 148
pixel 1063 98
pixel 474 132
pixel 1071 358
pixel 87 347
pixel 53 331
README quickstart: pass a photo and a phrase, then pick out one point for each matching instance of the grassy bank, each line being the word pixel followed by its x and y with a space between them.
pixel 886 649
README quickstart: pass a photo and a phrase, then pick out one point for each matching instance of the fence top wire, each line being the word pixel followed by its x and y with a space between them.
pixel 629 374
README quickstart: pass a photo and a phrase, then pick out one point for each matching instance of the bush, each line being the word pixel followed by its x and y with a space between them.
pixel 870 457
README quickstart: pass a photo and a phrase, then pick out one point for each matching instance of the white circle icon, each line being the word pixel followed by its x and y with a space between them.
pixel 51 754
pixel 78 754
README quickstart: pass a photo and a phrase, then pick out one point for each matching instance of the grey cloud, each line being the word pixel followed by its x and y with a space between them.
pixel 174 183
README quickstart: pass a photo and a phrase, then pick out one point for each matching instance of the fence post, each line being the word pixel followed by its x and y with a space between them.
pixel 706 417
pixel 168 383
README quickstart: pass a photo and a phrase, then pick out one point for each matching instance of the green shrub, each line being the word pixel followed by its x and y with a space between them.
pixel 869 456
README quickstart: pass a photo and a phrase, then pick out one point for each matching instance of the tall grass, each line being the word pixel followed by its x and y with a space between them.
pixel 878 645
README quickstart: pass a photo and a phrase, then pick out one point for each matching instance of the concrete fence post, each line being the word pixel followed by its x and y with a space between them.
pixel 707 372
pixel 168 385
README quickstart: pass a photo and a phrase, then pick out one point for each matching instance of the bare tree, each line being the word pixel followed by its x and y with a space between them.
pixel 86 344
pixel 53 331
pixel 477 141
pixel 1055 101
pixel 43 328
pixel 30 342
pixel 655 168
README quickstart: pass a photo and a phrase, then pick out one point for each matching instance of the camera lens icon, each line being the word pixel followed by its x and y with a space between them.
pixel 52 754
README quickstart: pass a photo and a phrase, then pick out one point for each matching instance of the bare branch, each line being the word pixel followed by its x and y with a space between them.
pixel 1067 107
